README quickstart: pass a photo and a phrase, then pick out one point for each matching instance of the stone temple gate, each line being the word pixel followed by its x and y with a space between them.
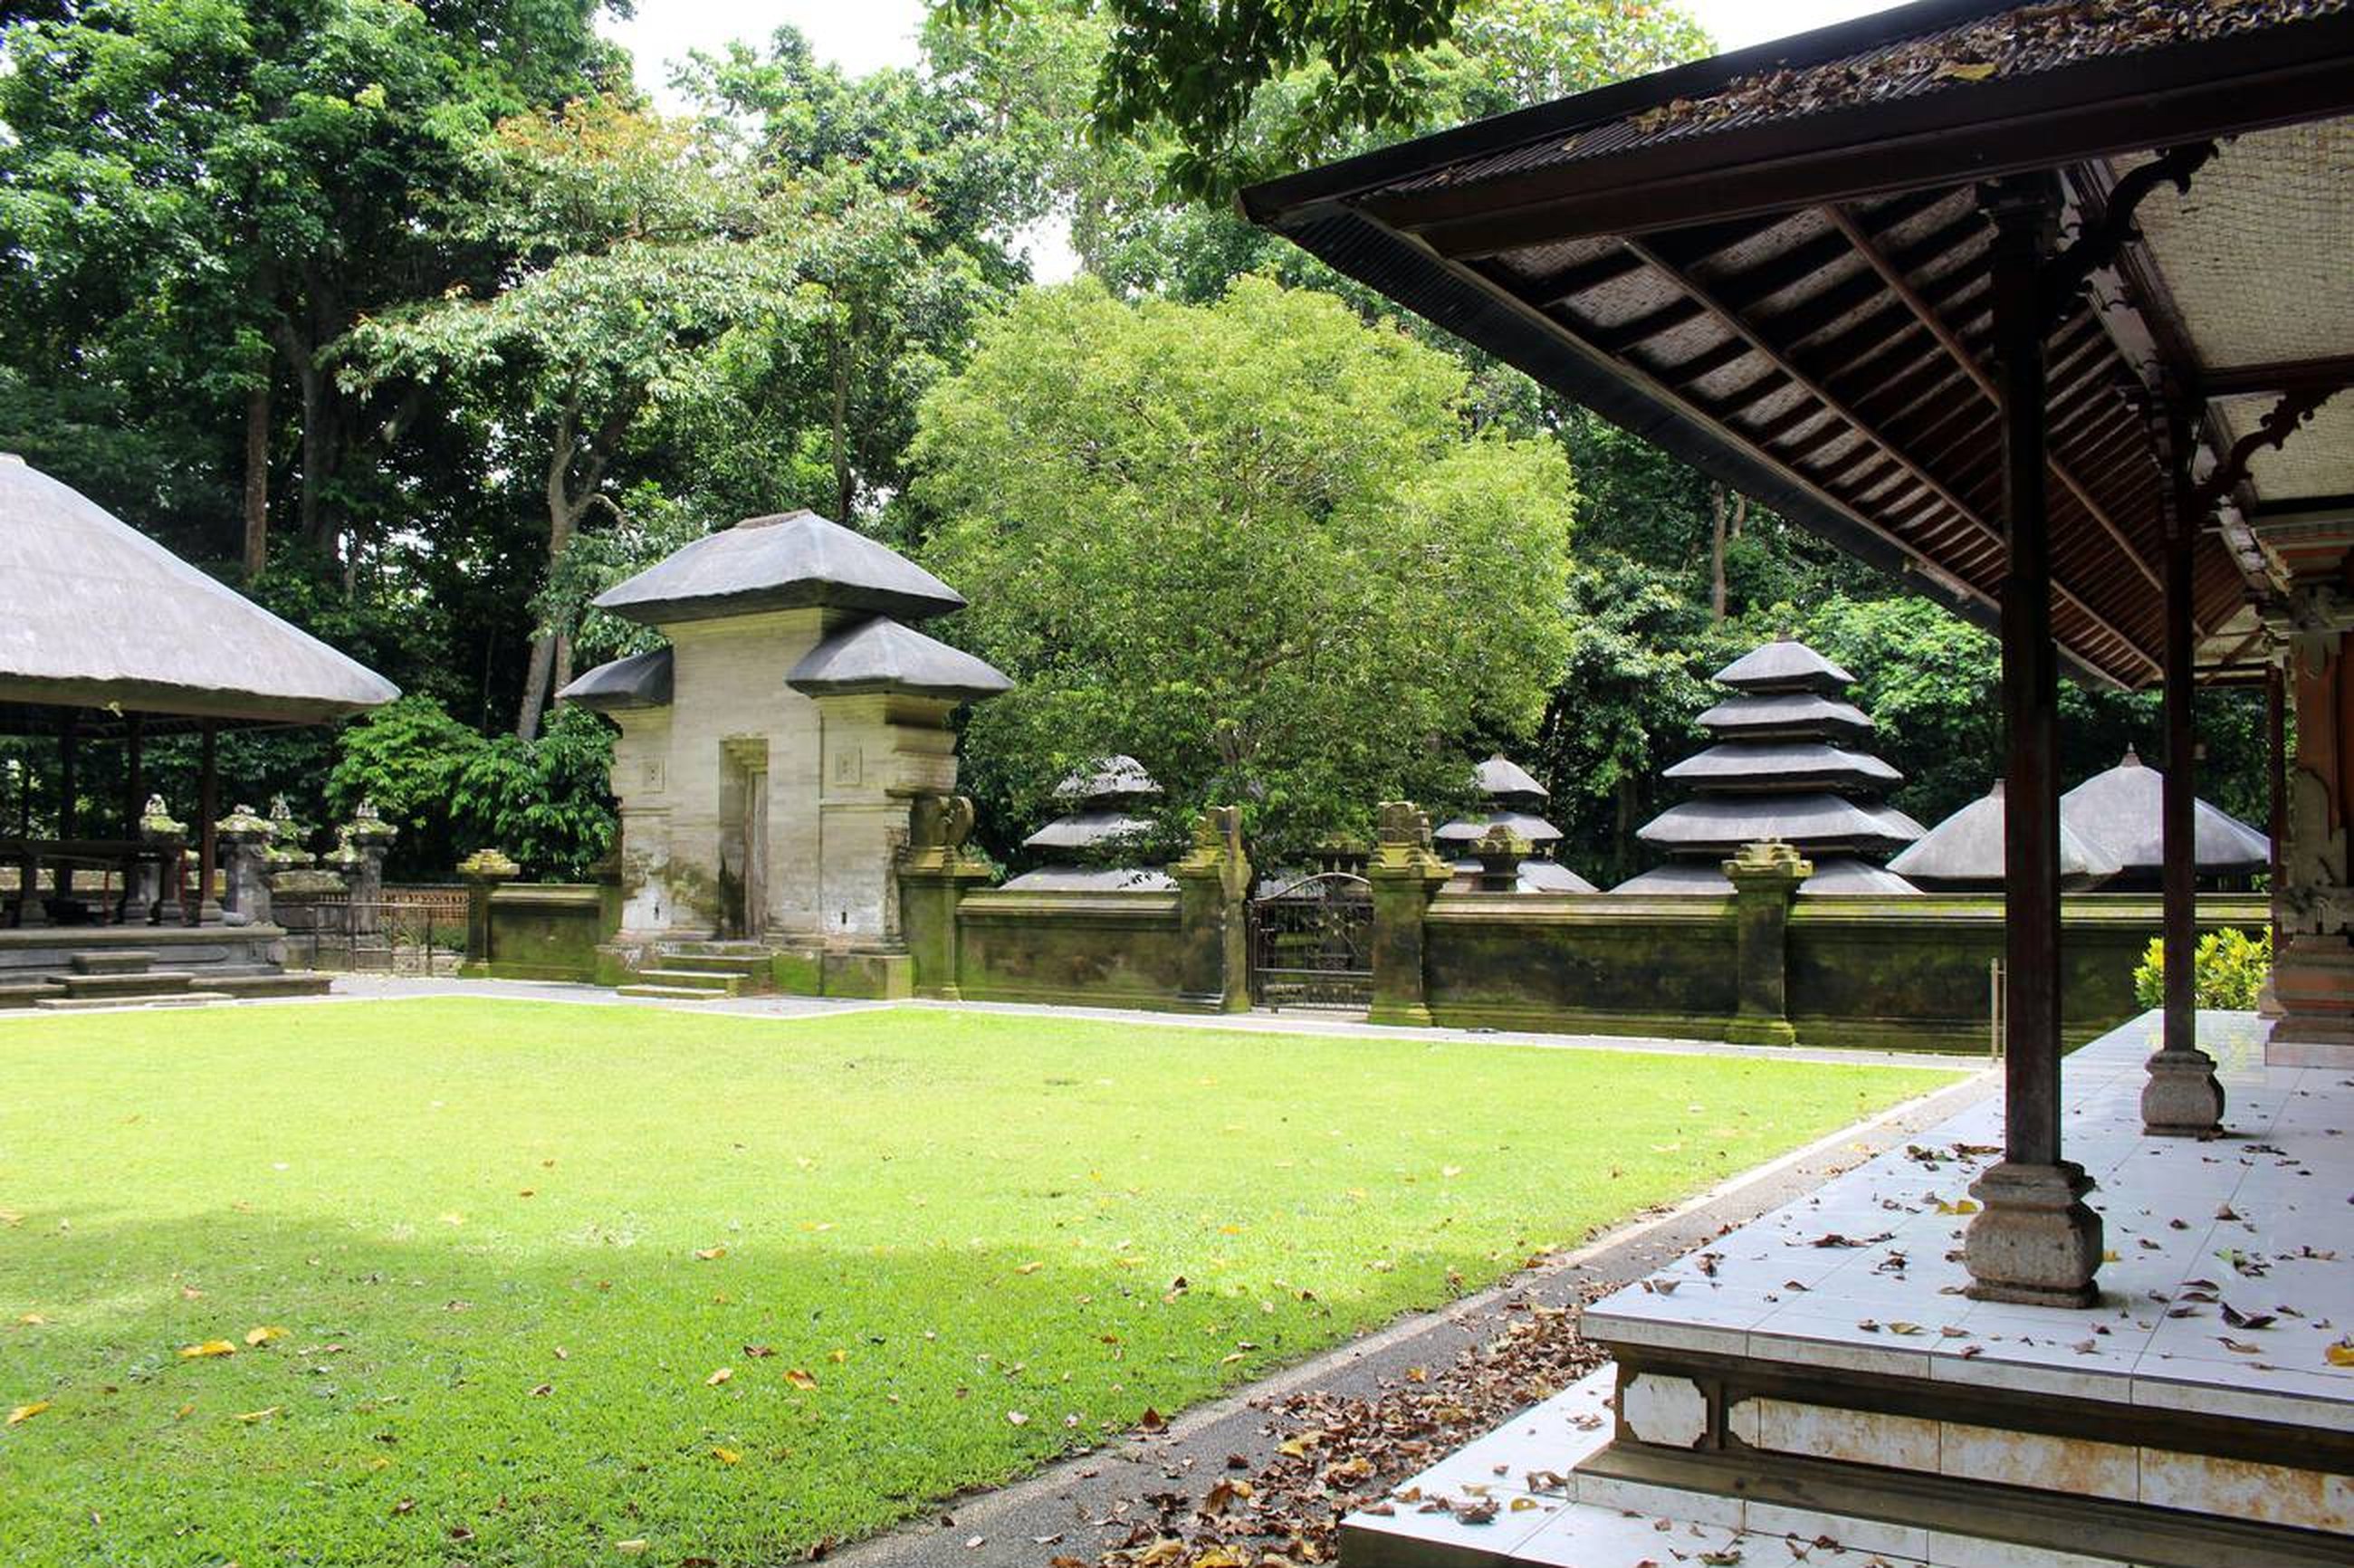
pixel 769 756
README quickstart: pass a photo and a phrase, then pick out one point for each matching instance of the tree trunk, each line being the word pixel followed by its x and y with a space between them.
pixel 1719 518
pixel 256 479
pixel 842 484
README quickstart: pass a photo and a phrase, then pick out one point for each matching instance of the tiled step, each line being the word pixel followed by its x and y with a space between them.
pixel 122 986
pixel 121 962
pixel 89 1003
pixel 720 983
pixel 672 992
pixel 25 993
pixel 243 987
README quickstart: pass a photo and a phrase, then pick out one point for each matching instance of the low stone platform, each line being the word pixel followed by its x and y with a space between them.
pixel 1818 1376
pixel 74 968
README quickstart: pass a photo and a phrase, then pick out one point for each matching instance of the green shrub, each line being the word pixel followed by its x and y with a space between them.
pixel 2228 970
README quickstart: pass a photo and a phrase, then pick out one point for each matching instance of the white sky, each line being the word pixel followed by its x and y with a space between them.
pixel 860 35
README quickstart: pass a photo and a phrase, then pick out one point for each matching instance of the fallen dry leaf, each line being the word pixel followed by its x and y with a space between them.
pixel 250 1416
pixel 726 1455
pixel 711 1253
pixel 24 1412
pixel 209 1348
pixel 264 1334
pixel 716 1377
pixel 799 1379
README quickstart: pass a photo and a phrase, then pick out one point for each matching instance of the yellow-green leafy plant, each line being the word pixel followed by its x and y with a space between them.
pixel 2228 970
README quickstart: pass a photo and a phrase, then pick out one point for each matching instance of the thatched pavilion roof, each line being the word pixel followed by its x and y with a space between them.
pixel 881 655
pixel 2117 813
pixel 95 615
pixel 1966 851
pixel 791 561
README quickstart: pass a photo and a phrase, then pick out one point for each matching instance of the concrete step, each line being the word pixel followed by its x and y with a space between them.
pixel 668 992
pixel 89 1003
pixel 124 987
pixel 25 993
pixel 121 962
pixel 304 983
pixel 717 980
pixel 752 967
pixel 716 949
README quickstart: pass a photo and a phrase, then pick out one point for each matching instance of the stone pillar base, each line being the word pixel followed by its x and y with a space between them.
pixel 2182 1098
pixel 1761 1032
pixel 2035 1241
pixel 2312 982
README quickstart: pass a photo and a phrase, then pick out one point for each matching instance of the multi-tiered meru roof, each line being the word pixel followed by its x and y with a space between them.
pixel 1788 763
pixel 1099 828
pixel 1513 799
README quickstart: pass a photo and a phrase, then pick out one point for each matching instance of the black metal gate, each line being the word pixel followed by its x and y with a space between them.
pixel 1311 943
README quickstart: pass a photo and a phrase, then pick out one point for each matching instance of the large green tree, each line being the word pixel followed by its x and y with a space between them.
pixel 1257 545
pixel 199 197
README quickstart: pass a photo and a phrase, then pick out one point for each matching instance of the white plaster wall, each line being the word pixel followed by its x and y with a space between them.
pixel 641 781
pixel 728 684
pixel 841 774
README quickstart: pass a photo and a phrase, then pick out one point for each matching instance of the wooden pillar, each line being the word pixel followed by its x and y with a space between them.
pixel 208 813
pixel 2034 1239
pixel 2181 1097
pixel 69 796
pixel 2276 776
pixel 135 774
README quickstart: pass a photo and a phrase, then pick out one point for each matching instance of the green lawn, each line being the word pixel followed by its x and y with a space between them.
pixel 570 1284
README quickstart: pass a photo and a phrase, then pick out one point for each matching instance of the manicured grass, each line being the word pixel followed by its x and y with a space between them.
pixel 512 1247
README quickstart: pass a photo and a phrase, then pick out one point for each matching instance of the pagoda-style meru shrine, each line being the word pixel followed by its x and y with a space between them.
pixel 1099 829
pixel 1514 797
pixel 1785 765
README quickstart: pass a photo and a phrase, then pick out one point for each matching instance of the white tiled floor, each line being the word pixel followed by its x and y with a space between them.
pixel 2259 1220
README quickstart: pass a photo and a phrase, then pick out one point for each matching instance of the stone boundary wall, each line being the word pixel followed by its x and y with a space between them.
pixel 1086 950
pixel 1864 972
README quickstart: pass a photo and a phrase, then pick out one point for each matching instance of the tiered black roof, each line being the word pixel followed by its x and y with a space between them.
pixel 1097 828
pixel 1515 799
pixel 1787 766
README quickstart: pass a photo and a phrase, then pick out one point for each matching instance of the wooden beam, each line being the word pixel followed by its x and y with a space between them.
pixel 1733 320
pixel 2333 374
pixel 1951 342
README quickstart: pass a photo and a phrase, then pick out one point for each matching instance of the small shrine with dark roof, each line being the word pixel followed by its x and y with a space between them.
pixel 1100 829
pixel 1510 824
pixel 769 755
pixel 1788 765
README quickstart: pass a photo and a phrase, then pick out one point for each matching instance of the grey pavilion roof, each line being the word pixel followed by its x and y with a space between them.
pixel 881 655
pixel 1470 830
pixel 1816 819
pixel 639 681
pixel 1781 764
pixel 791 561
pixel 1090 879
pixel 1798 716
pixel 1834 874
pixel 1501 778
pixel 1088 830
pixel 1535 877
pixel 1117 777
pixel 95 614
pixel 1966 851
pixel 1785 666
pixel 2118 814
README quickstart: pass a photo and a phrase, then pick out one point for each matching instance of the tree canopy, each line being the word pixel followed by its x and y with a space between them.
pixel 422 323
pixel 1257 545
